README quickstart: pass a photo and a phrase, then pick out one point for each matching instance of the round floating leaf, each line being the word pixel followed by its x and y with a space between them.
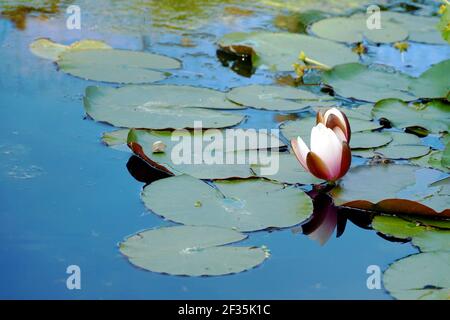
pixel 244 205
pixel 365 140
pixel 397 227
pixel 433 116
pixel 159 117
pixel 191 251
pixel 445 160
pixel 118 66
pixel 302 128
pixel 48 49
pixel 420 28
pixel 354 29
pixel 148 96
pixel 208 162
pixel 382 188
pixel 115 138
pixel 402 146
pixel 290 171
pixel 270 97
pixel 278 51
pixel 423 236
pixel 357 81
pixel 432 241
pixel 420 276
pixel 431 160
pixel 433 83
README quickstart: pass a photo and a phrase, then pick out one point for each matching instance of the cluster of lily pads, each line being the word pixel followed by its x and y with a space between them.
pixel 217 204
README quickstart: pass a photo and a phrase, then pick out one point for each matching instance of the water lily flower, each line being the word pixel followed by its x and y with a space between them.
pixel 336 121
pixel 329 157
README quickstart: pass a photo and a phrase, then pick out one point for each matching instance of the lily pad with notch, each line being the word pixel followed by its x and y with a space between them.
pixel 381 188
pixel 191 251
pixel 116 66
pixel 244 205
pixel 193 162
pixel 433 116
pixel 277 51
pixel 270 97
pixel 419 277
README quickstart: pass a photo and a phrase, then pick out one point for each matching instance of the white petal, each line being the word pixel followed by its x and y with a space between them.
pixel 328 147
pixel 340 134
pixel 303 150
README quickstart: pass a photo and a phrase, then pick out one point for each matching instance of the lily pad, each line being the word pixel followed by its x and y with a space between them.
pixel 141 141
pixel 278 51
pixel 402 146
pixel 420 28
pixel 50 50
pixel 382 188
pixel 433 116
pixel 431 160
pixel 424 237
pixel 354 29
pixel 360 82
pixel 290 171
pixel 302 128
pixel 157 117
pixel 191 251
pixel 117 66
pixel 420 276
pixel 433 83
pixel 244 205
pixel 270 97
pixel 148 96
pixel 365 140
pixel 115 138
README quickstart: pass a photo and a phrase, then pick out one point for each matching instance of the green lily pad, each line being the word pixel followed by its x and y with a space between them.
pixel 290 171
pixel 117 66
pixel 278 51
pixel 426 238
pixel 420 28
pixel 420 277
pixel 354 29
pixel 445 160
pixel 402 146
pixel 433 83
pixel 50 50
pixel 382 188
pixel 271 97
pixel 244 205
pixel 141 142
pixel 397 227
pixel 158 117
pixel 115 138
pixel 148 96
pixel 360 82
pixel 433 116
pixel 302 128
pixel 431 160
pixel 191 251
pixel 365 140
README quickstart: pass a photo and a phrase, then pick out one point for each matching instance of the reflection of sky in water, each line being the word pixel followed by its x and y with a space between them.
pixel 416 60
pixel 86 201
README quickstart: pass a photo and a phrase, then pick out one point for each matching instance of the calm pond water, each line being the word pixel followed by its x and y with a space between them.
pixel 65 198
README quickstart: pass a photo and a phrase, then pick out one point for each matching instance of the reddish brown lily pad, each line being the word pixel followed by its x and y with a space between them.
pixel 392 189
